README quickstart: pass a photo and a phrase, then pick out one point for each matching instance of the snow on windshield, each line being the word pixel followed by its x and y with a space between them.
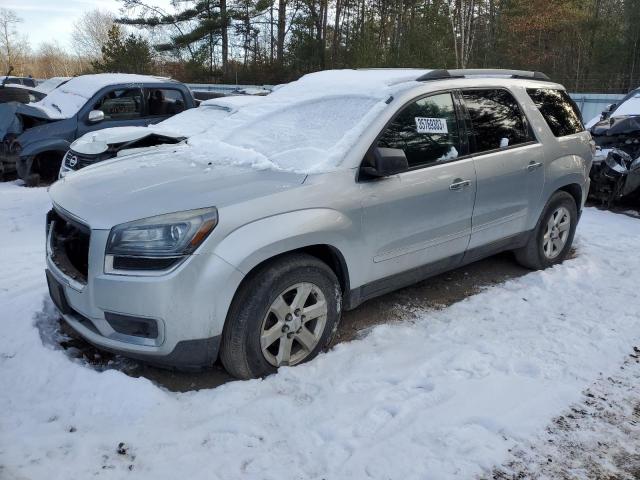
pixel 305 126
pixel 630 107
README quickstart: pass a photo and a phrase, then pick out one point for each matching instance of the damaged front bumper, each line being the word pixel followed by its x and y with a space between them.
pixel 615 173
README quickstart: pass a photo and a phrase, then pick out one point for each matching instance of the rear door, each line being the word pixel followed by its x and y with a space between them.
pixel 509 164
pixel 422 216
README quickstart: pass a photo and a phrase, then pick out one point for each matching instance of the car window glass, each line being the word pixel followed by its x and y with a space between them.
pixel 121 104
pixel 559 111
pixel 496 119
pixel 164 101
pixel 426 130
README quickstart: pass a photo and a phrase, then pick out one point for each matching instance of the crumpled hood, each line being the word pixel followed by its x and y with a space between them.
pixel 134 187
pixel 617 126
pixel 98 142
pixel 9 121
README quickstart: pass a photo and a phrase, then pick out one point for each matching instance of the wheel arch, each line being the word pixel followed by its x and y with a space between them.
pixel 328 254
pixel 575 190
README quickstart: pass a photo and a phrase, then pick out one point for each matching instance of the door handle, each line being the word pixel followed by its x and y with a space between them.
pixel 533 166
pixel 459 184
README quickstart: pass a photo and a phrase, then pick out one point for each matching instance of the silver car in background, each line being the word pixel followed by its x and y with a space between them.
pixel 247 244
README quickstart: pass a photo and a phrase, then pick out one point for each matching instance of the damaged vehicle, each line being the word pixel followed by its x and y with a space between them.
pixel 19 89
pixel 121 141
pixel 35 137
pixel 615 174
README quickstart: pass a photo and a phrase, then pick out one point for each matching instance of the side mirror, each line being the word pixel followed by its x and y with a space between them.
pixel 608 110
pixel 384 162
pixel 96 116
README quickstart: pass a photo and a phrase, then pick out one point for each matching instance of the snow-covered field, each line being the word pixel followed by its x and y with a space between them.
pixel 445 394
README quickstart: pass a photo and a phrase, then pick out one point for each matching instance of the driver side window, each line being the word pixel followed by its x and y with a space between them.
pixel 121 104
pixel 426 130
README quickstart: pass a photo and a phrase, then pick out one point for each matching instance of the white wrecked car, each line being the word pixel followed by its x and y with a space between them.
pixel 113 142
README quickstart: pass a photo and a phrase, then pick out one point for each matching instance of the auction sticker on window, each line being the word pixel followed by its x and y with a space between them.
pixel 436 126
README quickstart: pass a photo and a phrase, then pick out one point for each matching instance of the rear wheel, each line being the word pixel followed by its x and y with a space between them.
pixel 552 238
pixel 285 314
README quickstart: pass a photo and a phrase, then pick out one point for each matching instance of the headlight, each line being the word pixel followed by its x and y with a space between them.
pixel 158 243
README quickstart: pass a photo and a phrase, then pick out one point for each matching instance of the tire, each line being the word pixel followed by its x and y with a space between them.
pixel 258 313
pixel 542 251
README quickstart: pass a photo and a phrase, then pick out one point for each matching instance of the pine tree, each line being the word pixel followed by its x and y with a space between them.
pixel 124 54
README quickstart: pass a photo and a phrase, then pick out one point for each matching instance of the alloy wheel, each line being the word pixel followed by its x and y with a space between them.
pixel 556 233
pixel 293 325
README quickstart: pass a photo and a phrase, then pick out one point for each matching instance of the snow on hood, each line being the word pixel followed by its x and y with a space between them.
pixel 183 125
pixel 630 107
pixel 66 100
pixel 306 126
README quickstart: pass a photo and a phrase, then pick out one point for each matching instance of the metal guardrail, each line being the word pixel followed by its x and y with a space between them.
pixel 592 104
pixel 225 88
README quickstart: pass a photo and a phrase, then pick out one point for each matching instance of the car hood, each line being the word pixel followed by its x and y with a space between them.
pixel 10 113
pixel 139 186
pixel 613 126
pixel 99 141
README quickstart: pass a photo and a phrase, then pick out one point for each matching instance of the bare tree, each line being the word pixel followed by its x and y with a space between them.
pixel 90 32
pixel 461 17
pixel 13 48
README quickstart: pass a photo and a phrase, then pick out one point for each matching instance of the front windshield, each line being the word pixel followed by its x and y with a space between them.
pixel 311 134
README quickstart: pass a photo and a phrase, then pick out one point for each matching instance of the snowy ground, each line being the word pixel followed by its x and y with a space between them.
pixel 475 389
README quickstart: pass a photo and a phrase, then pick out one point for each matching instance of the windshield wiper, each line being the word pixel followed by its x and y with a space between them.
pixel 56 107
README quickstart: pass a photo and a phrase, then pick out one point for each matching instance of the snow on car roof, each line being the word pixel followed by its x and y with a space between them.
pixel 630 107
pixel 305 126
pixel 66 100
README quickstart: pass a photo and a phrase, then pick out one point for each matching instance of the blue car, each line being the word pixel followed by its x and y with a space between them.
pixel 36 136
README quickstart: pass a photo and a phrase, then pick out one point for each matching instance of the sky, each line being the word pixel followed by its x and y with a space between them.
pixel 49 20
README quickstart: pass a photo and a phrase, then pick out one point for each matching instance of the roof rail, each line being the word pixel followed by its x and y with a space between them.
pixel 482 72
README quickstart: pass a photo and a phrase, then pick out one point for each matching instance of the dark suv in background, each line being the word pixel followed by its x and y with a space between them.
pixel 36 136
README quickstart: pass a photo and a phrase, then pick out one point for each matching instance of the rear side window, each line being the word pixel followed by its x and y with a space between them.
pixel 426 130
pixel 560 112
pixel 496 118
pixel 165 101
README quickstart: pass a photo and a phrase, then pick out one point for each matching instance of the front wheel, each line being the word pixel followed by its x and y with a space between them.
pixel 552 238
pixel 284 315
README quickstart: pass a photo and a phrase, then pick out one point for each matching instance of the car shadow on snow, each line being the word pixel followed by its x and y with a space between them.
pixel 435 293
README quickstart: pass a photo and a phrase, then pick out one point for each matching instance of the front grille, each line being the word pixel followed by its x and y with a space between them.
pixel 76 161
pixel 69 245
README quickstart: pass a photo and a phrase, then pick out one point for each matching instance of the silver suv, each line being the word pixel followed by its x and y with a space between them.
pixel 247 243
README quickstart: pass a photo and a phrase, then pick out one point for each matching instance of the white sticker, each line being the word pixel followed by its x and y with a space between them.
pixel 431 125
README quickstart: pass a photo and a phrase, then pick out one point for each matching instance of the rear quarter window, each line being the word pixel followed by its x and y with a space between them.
pixel 559 111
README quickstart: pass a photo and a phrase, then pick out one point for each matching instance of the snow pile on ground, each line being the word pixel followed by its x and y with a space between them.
pixel 444 394
pixel 306 126
pixel 596 438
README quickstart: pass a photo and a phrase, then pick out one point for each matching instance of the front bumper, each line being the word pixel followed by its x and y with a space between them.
pixel 187 306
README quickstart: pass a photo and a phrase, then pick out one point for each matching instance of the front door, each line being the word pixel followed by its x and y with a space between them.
pixel 421 217
pixel 509 164
pixel 122 107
